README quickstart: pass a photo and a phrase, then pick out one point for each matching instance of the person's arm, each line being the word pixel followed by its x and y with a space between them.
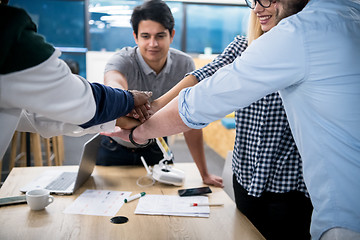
pixel 195 143
pixel 116 79
pixel 193 138
pixel 165 122
pixel 160 102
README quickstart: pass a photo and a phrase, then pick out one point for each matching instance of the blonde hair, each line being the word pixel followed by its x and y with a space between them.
pixel 254 30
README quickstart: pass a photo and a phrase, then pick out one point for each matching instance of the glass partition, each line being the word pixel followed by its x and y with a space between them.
pixel 210 28
pixel 110 27
pixel 62 23
pixel 76 26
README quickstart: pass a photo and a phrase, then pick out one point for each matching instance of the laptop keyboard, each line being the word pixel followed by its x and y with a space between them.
pixel 63 181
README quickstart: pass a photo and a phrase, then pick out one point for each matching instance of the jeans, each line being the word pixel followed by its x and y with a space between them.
pixel 276 215
pixel 111 153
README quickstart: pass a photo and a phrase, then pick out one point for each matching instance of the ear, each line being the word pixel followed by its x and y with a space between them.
pixel 135 38
pixel 172 35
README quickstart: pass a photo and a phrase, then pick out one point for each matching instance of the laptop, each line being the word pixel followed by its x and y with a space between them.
pixel 66 183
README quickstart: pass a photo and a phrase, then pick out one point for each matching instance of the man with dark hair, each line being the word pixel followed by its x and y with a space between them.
pixel 150 66
pixel 39 93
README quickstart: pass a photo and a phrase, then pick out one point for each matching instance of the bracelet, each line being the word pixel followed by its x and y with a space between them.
pixel 137 144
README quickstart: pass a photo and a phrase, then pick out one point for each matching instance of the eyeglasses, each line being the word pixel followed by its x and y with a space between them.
pixel 264 3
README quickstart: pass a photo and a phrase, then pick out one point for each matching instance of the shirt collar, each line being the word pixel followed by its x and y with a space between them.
pixel 148 70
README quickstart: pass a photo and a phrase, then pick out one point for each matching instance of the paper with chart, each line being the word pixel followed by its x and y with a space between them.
pixel 98 203
pixel 172 205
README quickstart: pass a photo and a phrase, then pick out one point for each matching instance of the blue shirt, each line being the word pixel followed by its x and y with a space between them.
pixel 313 59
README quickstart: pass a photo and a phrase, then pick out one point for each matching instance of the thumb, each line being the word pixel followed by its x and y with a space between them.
pixel 148 93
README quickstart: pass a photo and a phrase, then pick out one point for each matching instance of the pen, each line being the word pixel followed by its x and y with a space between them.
pixel 205 204
pixel 136 196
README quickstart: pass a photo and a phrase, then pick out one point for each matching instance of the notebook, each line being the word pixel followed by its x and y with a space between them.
pixel 66 183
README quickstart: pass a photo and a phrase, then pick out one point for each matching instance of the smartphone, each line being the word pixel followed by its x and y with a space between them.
pixel 194 191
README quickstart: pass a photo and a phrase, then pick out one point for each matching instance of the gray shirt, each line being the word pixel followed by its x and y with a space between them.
pixel 140 76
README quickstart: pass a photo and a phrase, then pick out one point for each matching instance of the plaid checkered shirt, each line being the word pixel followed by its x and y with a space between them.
pixel 265 157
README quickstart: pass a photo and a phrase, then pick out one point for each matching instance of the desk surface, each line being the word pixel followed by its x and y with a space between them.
pixel 19 222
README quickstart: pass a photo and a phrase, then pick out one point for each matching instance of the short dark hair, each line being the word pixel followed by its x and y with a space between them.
pixel 294 6
pixel 154 10
pixel 73 65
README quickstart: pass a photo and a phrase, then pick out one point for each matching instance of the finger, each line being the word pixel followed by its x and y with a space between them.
pixel 148 93
pixel 140 114
pixel 133 114
pixel 140 97
pixel 218 184
pixel 144 111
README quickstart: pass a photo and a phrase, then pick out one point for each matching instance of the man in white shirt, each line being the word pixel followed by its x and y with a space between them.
pixel 38 93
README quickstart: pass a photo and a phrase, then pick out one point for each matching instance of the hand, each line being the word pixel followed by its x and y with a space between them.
pixel 118 132
pixel 141 113
pixel 127 122
pixel 136 112
pixel 213 180
pixel 124 135
pixel 140 97
pixel 141 104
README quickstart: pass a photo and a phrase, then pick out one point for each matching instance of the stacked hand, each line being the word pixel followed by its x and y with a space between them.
pixel 140 113
pixel 142 107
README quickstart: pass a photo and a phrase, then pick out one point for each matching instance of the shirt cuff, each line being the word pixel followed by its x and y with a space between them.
pixel 184 111
pixel 104 127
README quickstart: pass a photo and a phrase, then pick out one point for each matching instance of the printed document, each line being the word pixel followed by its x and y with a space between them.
pixel 98 202
pixel 173 205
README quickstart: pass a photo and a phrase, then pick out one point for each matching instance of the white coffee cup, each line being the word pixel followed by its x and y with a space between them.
pixel 38 199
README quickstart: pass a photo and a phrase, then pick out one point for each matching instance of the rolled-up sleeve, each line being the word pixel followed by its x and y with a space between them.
pixel 184 107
